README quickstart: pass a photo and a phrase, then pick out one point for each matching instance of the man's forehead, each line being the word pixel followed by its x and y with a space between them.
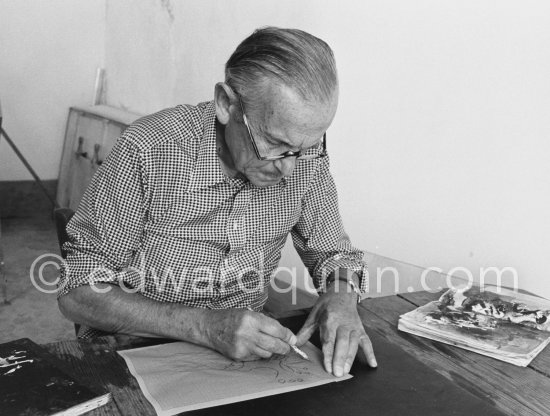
pixel 286 117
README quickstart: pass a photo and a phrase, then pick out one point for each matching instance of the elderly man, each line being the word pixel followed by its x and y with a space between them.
pixel 181 229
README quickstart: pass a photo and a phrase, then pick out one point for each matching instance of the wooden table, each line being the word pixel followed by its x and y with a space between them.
pixel 513 390
pixel 415 375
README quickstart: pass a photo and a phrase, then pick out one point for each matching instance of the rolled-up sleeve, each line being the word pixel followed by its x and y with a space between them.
pixel 106 230
pixel 319 235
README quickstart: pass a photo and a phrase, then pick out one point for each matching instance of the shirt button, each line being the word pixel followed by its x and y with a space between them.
pixel 235 225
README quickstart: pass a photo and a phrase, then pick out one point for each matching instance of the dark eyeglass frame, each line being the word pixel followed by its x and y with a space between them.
pixel 299 155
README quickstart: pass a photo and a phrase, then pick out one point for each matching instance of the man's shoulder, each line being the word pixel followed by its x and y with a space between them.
pixel 183 124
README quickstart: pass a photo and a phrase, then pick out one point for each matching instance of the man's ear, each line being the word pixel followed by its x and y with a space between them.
pixel 223 95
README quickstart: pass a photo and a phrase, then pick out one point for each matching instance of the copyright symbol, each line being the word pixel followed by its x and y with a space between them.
pixel 41 272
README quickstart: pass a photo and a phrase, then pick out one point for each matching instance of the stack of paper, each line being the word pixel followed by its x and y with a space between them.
pixel 502 324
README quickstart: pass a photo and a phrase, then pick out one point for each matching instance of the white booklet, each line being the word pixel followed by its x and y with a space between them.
pixel 181 376
pixel 499 323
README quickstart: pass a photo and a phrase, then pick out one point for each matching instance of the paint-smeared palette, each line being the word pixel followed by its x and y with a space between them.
pixel 30 383
pixel 502 324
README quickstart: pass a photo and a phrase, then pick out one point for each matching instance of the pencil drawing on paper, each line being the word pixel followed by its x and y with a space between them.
pixel 287 368
pixel 280 368
pixel 181 376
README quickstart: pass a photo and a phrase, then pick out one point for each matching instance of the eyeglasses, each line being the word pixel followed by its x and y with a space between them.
pixel 306 154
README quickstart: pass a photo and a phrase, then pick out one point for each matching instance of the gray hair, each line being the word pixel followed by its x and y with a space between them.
pixel 291 57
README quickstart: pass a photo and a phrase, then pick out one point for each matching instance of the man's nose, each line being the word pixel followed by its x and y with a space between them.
pixel 286 165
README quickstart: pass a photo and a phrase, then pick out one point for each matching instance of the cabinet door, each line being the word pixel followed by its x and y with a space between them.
pixel 64 182
pixel 88 134
pixel 88 140
pixel 111 132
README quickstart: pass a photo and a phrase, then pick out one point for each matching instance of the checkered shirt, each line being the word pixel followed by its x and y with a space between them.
pixel 161 218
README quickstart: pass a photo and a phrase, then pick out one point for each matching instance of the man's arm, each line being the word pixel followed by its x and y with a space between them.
pixel 324 247
pixel 237 333
pixel 106 232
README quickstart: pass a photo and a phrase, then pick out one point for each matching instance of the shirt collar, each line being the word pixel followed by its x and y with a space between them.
pixel 207 171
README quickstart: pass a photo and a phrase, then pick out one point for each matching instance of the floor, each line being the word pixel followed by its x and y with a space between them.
pixel 26 311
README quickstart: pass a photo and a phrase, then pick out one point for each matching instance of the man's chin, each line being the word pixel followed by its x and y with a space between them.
pixel 265 182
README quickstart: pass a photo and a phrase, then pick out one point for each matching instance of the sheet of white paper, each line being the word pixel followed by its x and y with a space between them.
pixel 180 376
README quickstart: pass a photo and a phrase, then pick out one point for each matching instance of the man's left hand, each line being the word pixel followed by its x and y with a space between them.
pixel 340 328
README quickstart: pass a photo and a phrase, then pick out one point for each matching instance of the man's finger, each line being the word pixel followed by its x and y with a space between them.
pixel 307 330
pixel 328 351
pixel 340 355
pixel 352 350
pixel 273 328
pixel 260 352
pixel 366 347
pixel 272 344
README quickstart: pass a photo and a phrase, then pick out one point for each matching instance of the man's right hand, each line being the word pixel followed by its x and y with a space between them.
pixel 236 333
pixel 243 335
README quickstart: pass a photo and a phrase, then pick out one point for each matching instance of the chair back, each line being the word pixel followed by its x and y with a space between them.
pixel 62 217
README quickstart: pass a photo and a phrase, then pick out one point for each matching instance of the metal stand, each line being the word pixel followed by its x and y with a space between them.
pixel 3 277
pixel 27 165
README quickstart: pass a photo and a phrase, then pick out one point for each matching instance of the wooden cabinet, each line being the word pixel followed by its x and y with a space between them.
pixel 90 135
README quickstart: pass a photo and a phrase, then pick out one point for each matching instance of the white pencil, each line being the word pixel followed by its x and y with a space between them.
pixel 294 347
pixel 299 352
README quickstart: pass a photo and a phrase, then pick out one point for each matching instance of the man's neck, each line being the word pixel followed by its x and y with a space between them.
pixel 222 151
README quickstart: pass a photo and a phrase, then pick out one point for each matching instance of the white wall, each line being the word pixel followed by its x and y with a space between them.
pixel 440 145
pixel 141 71
pixel 49 52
